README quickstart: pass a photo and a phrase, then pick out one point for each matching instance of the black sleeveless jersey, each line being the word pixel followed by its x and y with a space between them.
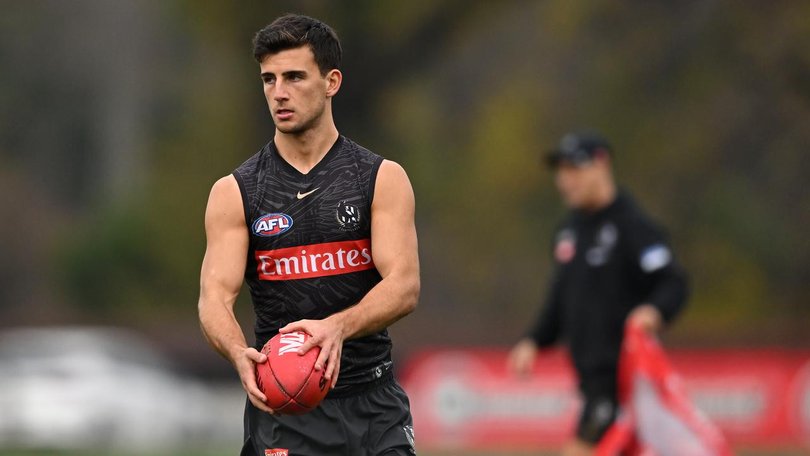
pixel 310 247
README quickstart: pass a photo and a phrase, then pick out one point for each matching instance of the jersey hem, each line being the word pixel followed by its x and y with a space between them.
pixel 361 388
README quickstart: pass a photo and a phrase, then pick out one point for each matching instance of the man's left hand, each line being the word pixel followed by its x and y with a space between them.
pixel 647 317
pixel 327 334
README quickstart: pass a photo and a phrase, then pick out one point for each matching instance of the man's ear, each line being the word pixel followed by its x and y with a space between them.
pixel 333 80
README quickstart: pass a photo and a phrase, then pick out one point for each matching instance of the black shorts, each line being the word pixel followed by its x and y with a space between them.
pixel 599 409
pixel 375 422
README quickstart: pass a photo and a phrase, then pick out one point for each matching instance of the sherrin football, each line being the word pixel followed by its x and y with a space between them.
pixel 289 380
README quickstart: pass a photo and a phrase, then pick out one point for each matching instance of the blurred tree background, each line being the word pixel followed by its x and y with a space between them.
pixel 116 118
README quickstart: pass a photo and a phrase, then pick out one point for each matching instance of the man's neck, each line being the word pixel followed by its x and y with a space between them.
pixel 303 151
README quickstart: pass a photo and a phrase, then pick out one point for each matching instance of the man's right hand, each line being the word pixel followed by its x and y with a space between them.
pixel 521 358
pixel 245 364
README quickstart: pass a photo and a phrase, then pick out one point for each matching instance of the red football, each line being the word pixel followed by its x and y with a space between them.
pixel 289 380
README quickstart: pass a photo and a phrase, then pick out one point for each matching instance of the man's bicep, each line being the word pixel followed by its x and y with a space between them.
pixel 226 240
pixel 393 232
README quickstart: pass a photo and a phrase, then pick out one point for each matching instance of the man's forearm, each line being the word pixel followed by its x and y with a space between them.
pixel 220 328
pixel 391 299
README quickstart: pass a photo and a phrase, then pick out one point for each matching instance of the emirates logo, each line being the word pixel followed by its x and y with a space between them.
pixel 276 452
pixel 315 260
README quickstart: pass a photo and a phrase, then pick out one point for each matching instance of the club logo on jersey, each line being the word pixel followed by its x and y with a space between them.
pixel 566 246
pixel 272 224
pixel 599 254
pixel 348 216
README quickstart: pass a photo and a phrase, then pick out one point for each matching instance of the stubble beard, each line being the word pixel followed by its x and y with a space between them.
pixel 304 126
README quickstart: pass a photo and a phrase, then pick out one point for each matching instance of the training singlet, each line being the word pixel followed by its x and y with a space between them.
pixel 310 247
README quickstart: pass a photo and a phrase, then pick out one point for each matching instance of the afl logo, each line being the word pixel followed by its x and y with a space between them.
pixel 272 224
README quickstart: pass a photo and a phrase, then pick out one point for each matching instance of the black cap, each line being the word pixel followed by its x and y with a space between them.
pixel 577 148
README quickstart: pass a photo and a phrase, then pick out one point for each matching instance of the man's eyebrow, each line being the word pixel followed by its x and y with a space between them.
pixel 285 73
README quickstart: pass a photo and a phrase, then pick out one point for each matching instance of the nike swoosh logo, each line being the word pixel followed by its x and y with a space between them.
pixel 304 195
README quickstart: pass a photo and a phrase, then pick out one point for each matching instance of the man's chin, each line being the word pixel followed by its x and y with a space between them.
pixel 288 129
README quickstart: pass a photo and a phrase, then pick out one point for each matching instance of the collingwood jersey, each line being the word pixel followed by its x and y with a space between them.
pixel 606 263
pixel 310 247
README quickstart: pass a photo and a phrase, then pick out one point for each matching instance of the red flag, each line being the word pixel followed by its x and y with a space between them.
pixel 657 417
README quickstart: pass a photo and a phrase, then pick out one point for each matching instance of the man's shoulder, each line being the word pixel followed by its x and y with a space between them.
pixel 634 220
pixel 254 162
pixel 630 210
pixel 361 153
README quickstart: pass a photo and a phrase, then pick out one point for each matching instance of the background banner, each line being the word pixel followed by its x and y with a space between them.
pixel 466 398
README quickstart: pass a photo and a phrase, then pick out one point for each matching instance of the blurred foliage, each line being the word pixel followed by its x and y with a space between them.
pixel 106 159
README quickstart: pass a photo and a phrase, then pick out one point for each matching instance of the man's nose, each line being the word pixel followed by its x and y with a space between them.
pixel 280 91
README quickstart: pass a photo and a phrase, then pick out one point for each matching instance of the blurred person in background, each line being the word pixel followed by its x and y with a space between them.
pixel 322 230
pixel 612 265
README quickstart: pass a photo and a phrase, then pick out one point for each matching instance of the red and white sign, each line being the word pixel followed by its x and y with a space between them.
pixel 466 399
pixel 315 260
pixel 799 396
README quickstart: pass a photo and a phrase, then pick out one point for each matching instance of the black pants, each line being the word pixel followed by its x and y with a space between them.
pixel 600 406
pixel 376 422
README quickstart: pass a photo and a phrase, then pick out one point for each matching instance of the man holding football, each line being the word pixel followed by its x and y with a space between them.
pixel 612 265
pixel 322 230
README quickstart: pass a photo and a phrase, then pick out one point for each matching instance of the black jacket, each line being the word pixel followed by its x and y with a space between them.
pixel 606 264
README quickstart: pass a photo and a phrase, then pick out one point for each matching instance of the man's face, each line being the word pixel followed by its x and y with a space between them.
pixel 578 184
pixel 295 90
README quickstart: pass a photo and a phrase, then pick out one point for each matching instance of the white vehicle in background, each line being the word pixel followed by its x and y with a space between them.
pixel 69 388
